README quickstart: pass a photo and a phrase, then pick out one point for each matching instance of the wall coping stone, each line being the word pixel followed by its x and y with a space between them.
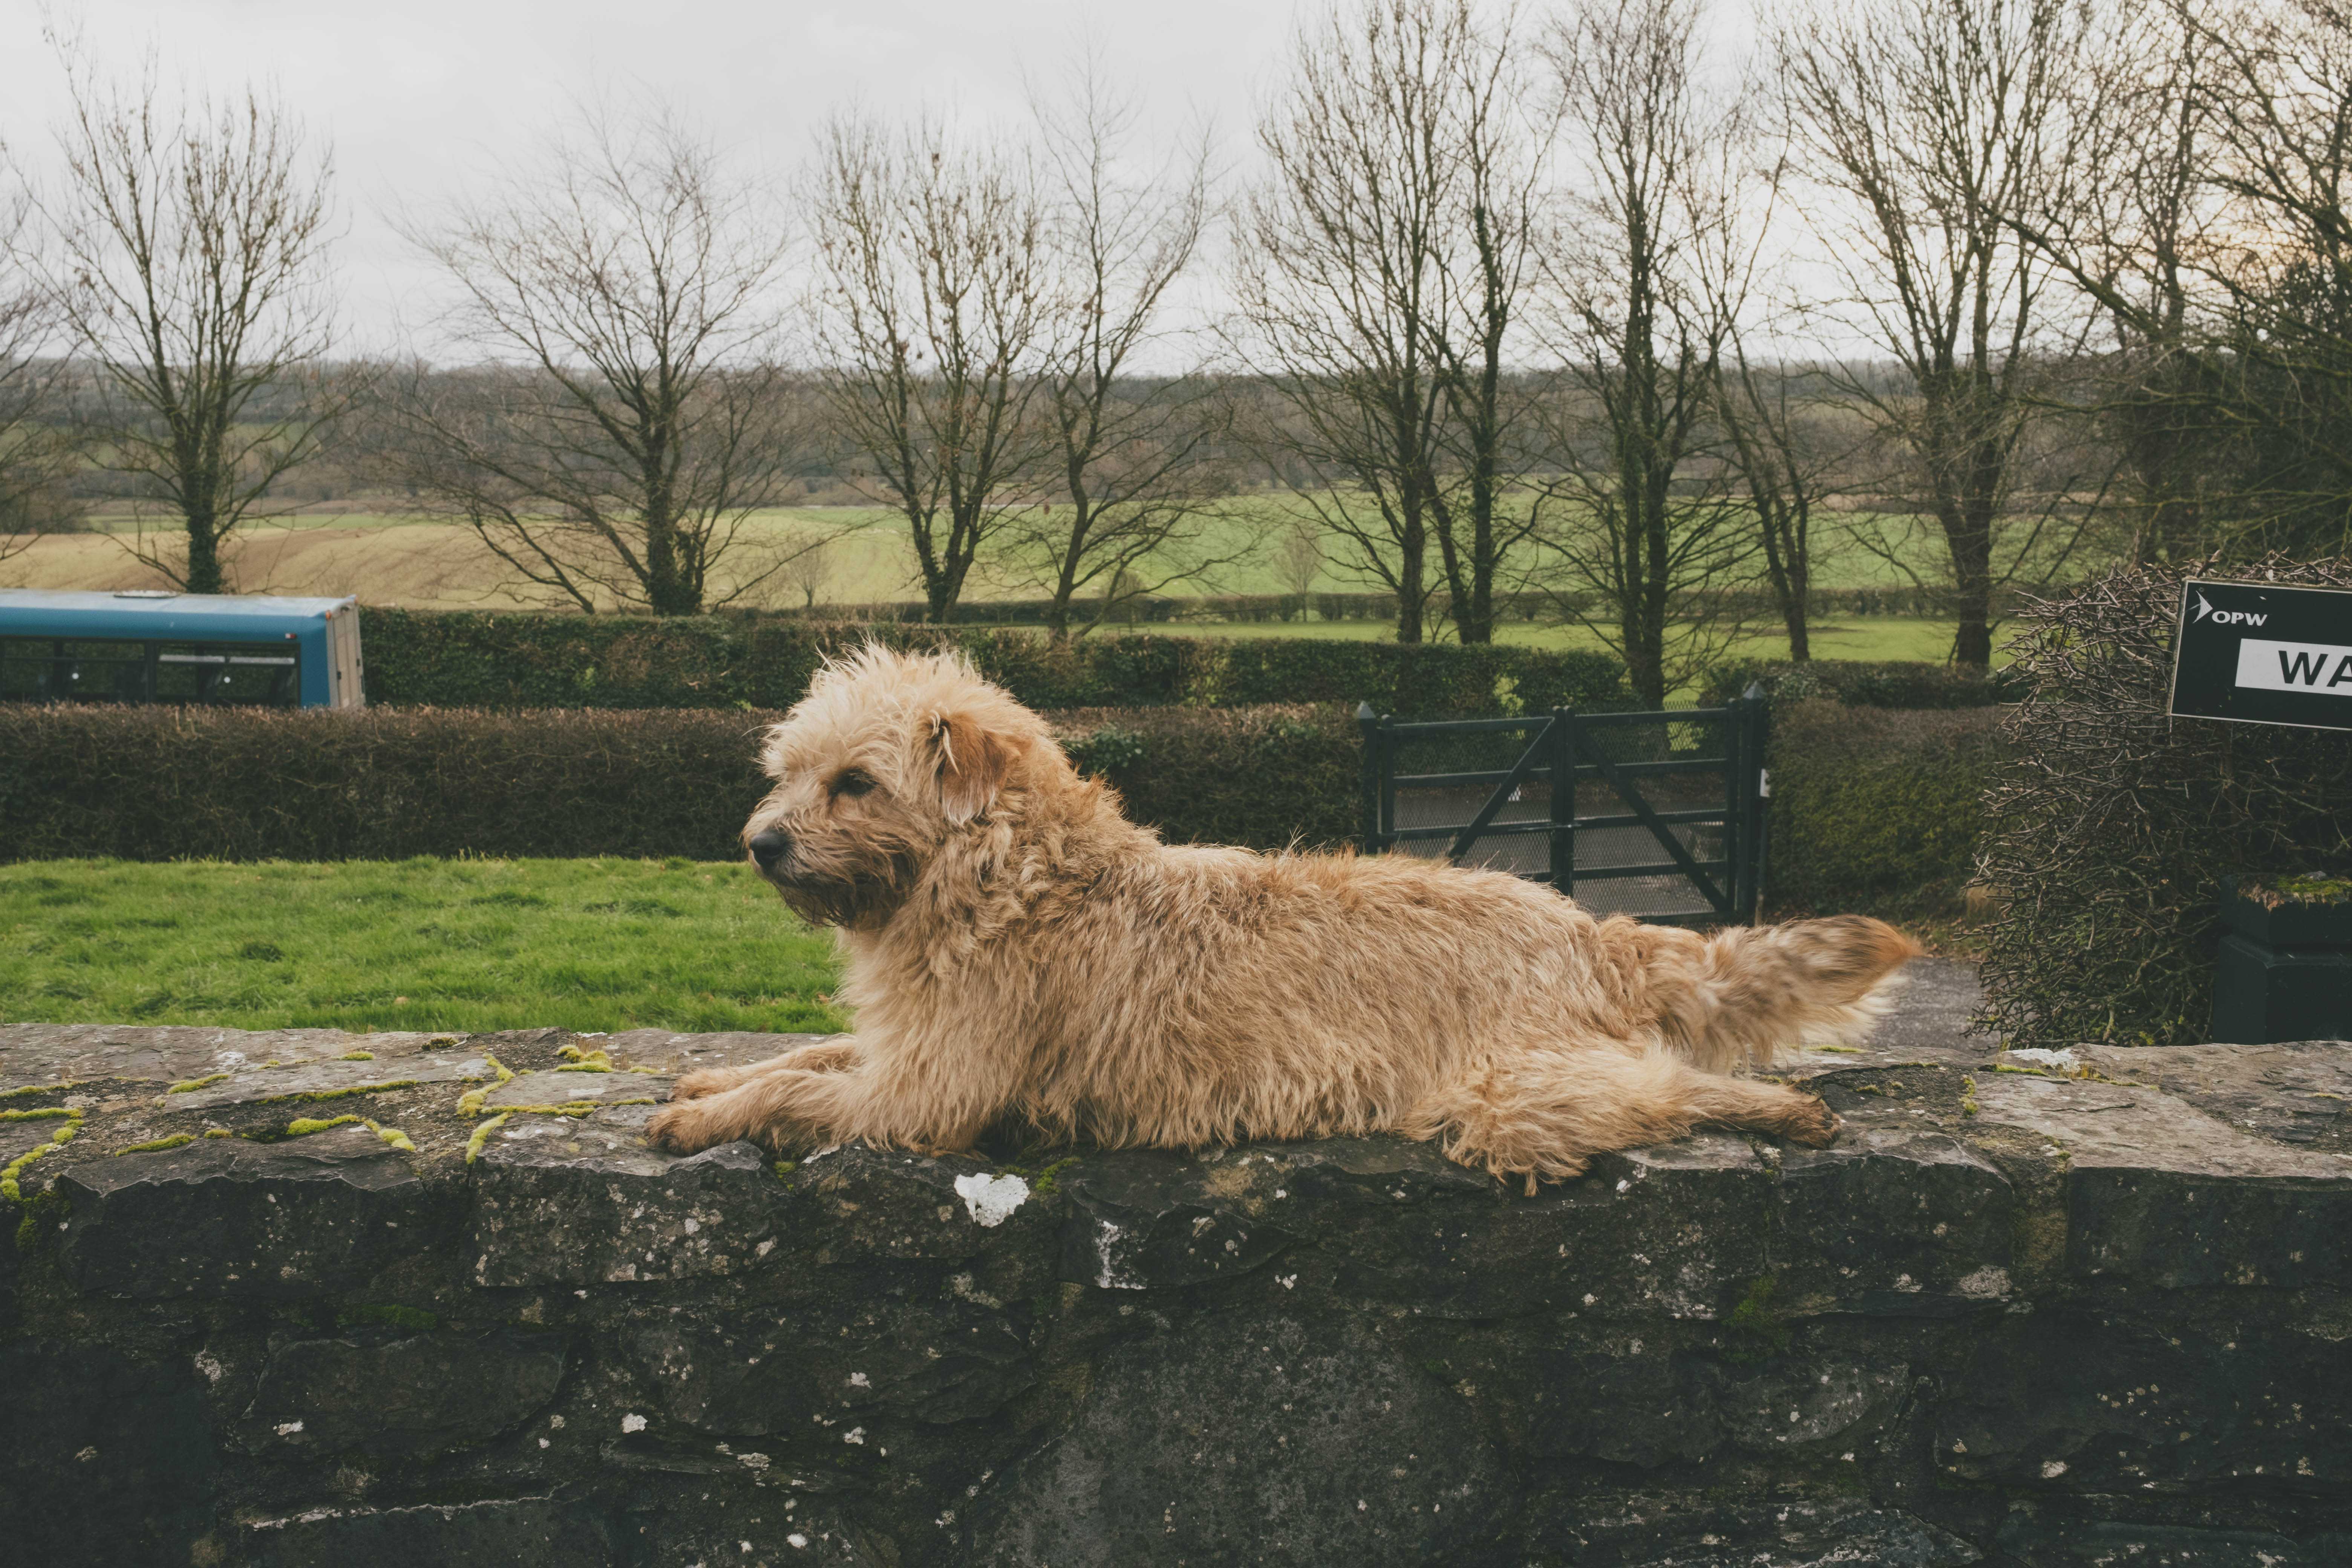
pixel 2037 1310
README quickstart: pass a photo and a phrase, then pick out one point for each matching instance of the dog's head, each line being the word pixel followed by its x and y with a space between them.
pixel 889 759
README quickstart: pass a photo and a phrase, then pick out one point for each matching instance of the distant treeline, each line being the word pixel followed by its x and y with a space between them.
pixel 1270 609
pixel 1497 301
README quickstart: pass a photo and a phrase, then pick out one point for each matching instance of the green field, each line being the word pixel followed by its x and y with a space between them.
pixel 869 558
pixel 416 944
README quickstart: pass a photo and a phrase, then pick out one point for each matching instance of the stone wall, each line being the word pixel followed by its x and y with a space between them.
pixel 2040 1312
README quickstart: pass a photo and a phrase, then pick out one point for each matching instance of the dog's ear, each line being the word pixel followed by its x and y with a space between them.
pixel 973 764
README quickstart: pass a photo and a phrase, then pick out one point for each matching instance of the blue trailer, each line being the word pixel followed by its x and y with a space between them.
pixel 149 646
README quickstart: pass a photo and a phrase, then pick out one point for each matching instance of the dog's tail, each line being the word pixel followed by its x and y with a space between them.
pixel 1741 995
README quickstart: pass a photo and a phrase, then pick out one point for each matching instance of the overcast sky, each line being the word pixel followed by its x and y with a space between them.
pixel 416 93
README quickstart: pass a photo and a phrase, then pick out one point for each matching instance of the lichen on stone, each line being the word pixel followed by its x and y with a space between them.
pixel 37 1209
pixel 569 1108
pixel 320 1094
pixel 9 1187
pixel 53 1113
pixel 1051 1176
pixel 303 1126
pixel 176 1140
pixel 391 1135
pixel 1763 1332
pixel 188 1085
pixel 470 1103
pixel 356 1057
pixel 482 1135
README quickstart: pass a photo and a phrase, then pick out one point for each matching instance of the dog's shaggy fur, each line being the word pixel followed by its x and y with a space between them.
pixel 1017 948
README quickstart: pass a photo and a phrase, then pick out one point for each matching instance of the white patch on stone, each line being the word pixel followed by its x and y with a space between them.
pixel 2052 1468
pixel 796 1542
pixel 991 1199
pixel 753 1461
pixel 855 1435
pixel 633 1422
pixel 859 1380
pixel 1108 1278
pixel 1985 1284
pixel 207 1364
pixel 2042 1055
pixel 288 1428
pixel 228 1061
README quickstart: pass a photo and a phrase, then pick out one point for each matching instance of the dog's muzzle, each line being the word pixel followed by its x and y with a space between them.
pixel 769 848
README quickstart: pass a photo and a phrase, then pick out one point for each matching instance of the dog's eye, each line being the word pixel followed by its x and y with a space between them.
pixel 852 782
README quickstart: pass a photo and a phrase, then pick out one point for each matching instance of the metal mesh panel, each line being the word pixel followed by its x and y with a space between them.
pixel 1676 763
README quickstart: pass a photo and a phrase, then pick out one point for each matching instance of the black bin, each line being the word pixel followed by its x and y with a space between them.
pixel 2284 970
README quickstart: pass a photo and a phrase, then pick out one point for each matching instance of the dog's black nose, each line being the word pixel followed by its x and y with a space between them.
pixel 769 848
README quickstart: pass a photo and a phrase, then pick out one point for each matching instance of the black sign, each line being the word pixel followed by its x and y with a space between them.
pixel 2261 654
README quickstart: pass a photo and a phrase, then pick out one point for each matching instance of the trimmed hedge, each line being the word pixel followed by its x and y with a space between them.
pixel 1860 683
pixel 1872 802
pixel 1864 802
pixel 464 658
pixel 242 783
pixel 1263 777
pixel 249 783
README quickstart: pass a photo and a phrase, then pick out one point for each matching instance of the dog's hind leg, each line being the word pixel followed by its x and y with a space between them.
pixel 1544 1113
pixel 823 1055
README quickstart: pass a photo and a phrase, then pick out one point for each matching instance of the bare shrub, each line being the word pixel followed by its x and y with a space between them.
pixel 2108 824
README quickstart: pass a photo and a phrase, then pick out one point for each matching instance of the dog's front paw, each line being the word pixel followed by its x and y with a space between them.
pixel 1813 1123
pixel 682 1129
pixel 708 1082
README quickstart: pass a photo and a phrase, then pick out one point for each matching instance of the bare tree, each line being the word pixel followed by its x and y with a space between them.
pixel 1929 128
pixel 2149 115
pixel 186 258
pixel 1131 440
pixel 810 570
pixel 36 449
pixel 2221 257
pixel 1499 149
pixel 1649 273
pixel 1298 562
pixel 1379 290
pixel 1781 440
pixel 633 413
pixel 933 316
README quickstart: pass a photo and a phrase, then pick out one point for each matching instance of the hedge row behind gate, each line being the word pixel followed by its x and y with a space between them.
pixel 464 658
pixel 1864 802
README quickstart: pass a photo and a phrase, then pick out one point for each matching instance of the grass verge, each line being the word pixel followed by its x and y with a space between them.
pixel 414 944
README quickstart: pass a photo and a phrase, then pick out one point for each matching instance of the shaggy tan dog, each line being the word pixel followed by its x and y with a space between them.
pixel 1017 948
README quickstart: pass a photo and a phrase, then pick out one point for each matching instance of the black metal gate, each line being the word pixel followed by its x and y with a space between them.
pixel 1589 803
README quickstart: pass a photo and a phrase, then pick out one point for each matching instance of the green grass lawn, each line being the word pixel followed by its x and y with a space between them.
pixel 413 944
